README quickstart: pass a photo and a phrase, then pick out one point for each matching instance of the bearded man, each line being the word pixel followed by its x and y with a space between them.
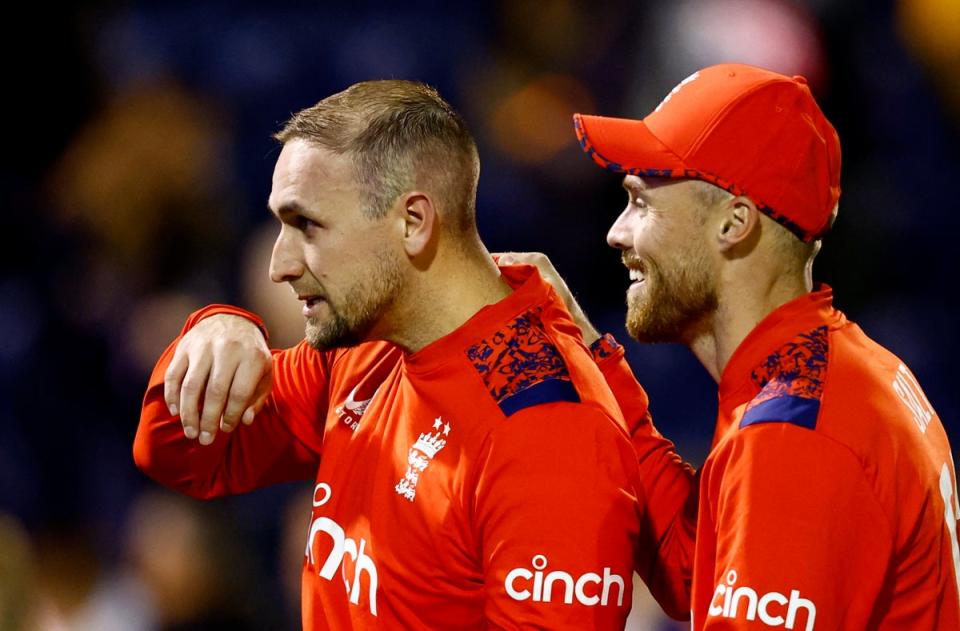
pixel 471 469
pixel 829 497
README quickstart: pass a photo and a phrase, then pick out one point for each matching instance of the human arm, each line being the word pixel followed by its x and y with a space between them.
pixel 669 489
pixel 282 443
pixel 799 529
pixel 669 486
pixel 555 516
pixel 550 274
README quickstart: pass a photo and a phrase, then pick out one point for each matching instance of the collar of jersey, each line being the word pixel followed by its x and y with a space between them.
pixel 780 326
pixel 529 290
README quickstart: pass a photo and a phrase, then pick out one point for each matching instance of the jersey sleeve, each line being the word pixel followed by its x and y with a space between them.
pixel 801 538
pixel 283 443
pixel 668 485
pixel 556 520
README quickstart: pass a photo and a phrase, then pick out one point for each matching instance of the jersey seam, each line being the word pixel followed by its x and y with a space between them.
pixel 831 348
pixel 849 452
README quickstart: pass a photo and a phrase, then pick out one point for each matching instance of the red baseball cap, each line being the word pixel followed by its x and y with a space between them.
pixel 748 130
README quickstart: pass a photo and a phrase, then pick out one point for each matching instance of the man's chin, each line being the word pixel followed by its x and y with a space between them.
pixel 636 327
pixel 638 321
pixel 330 337
pixel 647 336
pixel 641 334
pixel 644 328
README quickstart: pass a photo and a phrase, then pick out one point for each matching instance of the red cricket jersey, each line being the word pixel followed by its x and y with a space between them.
pixel 485 481
pixel 828 500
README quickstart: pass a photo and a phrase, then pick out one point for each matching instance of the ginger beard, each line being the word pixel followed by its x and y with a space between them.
pixel 351 318
pixel 671 300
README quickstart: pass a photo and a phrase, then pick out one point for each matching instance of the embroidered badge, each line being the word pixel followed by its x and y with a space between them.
pixel 419 457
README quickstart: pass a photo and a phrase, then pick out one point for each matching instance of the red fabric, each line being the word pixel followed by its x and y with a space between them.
pixel 850 525
pixel 749 130
pixel 432 508
pixel 669 488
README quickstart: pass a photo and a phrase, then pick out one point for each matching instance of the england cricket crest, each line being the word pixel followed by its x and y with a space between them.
pixel 420 456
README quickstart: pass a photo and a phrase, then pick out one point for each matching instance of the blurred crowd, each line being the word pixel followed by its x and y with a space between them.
pixel 137 167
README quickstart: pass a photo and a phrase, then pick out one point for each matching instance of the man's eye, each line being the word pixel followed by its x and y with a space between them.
pixel 305 224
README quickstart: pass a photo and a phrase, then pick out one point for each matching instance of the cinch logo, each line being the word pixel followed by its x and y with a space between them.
pixel 342 545
pixel 589 589
pixel 726 604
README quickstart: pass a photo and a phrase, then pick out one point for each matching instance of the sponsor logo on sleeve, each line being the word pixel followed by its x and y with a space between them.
pixel 541 586
pixel 772 609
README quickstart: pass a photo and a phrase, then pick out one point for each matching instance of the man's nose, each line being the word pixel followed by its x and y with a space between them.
pixel 619 235
pixel 285 262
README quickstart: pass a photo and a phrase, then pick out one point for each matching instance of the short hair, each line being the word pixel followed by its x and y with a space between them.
pixel 796 251
pixel 399 134
pixel 709 196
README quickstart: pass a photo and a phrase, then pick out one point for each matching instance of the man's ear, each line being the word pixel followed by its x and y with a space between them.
pixel 739 223
pixel 420 221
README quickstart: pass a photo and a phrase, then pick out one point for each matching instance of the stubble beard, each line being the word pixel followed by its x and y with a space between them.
pixel 351 320
pixel 674 303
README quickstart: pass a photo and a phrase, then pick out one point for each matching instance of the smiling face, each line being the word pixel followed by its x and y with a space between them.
pixel 662 233
pixel 346 267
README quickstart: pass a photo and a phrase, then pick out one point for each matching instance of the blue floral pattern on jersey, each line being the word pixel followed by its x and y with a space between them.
pixel 604 347
pixel 791 382
pixel 517 358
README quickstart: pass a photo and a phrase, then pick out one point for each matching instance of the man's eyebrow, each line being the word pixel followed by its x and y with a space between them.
pixel 286 209
pixel 638 186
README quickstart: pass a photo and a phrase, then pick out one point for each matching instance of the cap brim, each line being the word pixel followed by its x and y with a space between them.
pixel 624 145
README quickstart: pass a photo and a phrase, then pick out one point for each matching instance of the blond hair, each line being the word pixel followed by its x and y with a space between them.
pixel 400 135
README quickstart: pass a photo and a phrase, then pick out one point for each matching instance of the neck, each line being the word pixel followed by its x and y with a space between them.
pixel 741 304
pixel 442 297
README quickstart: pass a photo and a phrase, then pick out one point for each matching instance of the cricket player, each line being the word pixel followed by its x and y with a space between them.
pixel 471 468
pixel 829 498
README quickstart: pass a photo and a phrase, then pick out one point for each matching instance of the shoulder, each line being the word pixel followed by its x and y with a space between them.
pixel 791 382
pixel 566 444
pixel 777 463
pixel 521 366
pixel 840 382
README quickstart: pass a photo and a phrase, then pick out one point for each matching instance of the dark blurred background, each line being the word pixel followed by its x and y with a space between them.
pixel 138 161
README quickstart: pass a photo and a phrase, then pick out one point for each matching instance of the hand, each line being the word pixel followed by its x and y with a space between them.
pixel 223 361
pixel 550 274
